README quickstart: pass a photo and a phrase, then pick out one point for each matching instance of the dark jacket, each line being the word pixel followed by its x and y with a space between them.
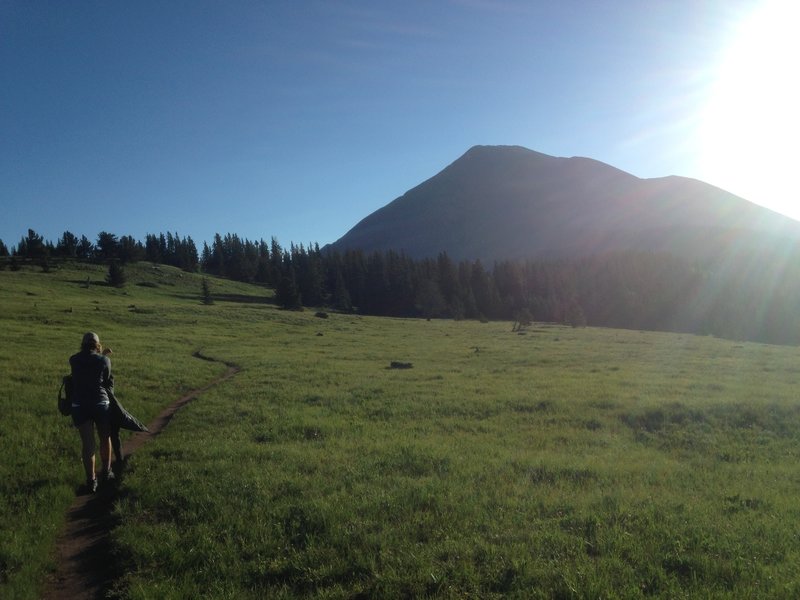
pixel 91 376
pixel 121 418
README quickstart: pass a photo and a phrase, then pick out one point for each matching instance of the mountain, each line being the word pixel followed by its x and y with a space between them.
pixel 508 202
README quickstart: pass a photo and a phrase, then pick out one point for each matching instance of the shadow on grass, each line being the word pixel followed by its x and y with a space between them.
pixel 236 298
pixel 90 283
pixel 243 299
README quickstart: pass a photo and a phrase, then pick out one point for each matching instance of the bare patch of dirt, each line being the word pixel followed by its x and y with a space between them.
pixel 83 570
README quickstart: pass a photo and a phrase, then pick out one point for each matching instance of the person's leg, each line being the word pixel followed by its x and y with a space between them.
pixel 104 433
pixel 116 444
pixel 86 431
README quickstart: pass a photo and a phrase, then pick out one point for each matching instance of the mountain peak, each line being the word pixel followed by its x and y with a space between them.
pixel 509 202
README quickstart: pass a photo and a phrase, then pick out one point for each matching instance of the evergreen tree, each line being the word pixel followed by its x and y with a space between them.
pixel 116 274
pixel 107 246
pixel 510 285
pixel 32 246
pixel 263 271
pixel 401 286
pixel 483 287
pixel 376 286
pixel 189 258
pixel 287 294
pixel 340 297
pixel 163 251
pixel 430 301
pixel 447 275
pixel 275 261
pixel 217 263
pixel 129 250
pixel 205 288
pixel 3 249
pixel 263 274
pixel 354 272
pixel 205 257
pixel 84 249
pixel 307 266
pixel 152 251
pixel 67 246
pixel 172 248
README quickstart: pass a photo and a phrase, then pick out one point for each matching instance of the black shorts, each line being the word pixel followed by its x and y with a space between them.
pixel 99 413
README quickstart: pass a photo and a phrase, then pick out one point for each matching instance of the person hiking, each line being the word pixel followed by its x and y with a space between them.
pixel 91 378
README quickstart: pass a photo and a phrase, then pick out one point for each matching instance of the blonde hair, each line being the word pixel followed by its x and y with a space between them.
pixel 91 342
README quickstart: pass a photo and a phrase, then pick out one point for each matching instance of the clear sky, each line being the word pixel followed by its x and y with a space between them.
pixel 299 118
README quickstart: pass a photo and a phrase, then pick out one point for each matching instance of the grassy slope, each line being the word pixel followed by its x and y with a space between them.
pixel 153 331
pixel 572 463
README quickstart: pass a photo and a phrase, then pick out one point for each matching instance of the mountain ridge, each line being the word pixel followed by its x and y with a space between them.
pixel 509 202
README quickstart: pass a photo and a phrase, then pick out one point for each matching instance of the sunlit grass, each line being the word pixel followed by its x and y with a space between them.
pixel 153 330
pixel 562 462
pixel 559 463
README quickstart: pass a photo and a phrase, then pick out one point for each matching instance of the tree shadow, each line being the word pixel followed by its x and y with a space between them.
pixel 243 299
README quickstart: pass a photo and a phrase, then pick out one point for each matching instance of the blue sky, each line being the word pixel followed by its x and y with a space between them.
pixel 297 119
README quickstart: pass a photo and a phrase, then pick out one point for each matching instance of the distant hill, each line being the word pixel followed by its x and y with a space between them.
pixel 508 202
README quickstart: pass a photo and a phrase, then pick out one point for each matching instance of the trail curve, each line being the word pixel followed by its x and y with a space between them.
pixel 83 569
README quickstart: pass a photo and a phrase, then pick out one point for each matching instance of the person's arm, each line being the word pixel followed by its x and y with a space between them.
pixel 108 377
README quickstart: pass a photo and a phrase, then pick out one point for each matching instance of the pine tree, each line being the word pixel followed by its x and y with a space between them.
pixel 116 274
pixel 67 246
pixel 151 250
pixel 107 246
pixel 32 246
pixel 206 292
pixel 275 260
pixel 129 250
pixel 84 249
pixel 287 294
pixel 430 301
pixel 340 299
pixel 189 260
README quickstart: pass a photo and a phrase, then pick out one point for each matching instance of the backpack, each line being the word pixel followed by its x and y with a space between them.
pixel 65 400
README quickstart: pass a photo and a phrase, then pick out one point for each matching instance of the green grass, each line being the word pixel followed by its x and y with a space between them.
pixel 153 329
pixel 572 463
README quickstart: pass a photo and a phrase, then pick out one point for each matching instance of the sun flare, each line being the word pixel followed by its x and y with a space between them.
pixel 750 130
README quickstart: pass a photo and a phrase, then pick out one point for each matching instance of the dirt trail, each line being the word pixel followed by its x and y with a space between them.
pixel 82 549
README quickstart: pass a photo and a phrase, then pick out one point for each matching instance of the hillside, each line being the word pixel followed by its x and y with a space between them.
pixel 498 202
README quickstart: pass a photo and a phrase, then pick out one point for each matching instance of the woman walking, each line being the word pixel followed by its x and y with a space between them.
pixel 91 378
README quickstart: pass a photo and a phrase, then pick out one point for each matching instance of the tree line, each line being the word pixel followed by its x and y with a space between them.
pixel 169 249
pixel 754 295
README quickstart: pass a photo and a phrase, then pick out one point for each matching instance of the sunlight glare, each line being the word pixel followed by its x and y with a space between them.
pixel 749 130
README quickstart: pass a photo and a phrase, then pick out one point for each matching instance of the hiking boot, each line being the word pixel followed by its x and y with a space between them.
pixel 108 476
pixel 91 485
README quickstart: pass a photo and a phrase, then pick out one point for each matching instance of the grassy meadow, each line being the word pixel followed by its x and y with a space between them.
pixel 551 463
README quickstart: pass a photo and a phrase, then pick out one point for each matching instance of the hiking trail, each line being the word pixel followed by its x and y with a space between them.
pixel 83 569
